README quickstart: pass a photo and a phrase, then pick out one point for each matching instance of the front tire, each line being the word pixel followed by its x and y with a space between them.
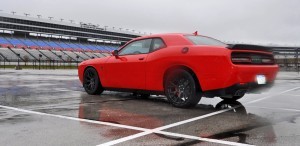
pixel 91 82
pixel 180 89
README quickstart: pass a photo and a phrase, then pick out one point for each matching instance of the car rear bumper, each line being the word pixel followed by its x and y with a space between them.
pixel 248 73
pixel 236 74
pixel 239 89
pixel 243 78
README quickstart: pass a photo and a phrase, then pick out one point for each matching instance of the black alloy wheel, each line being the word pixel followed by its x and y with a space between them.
pixel 91 82
pixel 180 89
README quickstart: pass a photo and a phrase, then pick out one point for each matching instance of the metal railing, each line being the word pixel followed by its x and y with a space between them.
pixel 38 64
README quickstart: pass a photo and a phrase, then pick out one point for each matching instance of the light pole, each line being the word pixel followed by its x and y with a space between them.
pixel 61 20
pixel 18 66
pixel 39 16
pixel 105 28
pixel 26 14
pixel 59 56
pixel 297 59
pixel 77 57
pixel 13 12
pixel 40 56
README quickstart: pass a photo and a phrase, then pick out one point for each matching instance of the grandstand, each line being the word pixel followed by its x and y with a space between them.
pixel 28 39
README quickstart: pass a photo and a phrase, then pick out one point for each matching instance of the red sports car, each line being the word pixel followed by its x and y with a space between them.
pixel 183 67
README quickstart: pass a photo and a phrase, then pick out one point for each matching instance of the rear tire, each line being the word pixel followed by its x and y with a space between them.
pixel 91 82
pixel 180 89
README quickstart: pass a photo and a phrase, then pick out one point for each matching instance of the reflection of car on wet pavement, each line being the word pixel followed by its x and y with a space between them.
pixel 183 67
pixel 108 109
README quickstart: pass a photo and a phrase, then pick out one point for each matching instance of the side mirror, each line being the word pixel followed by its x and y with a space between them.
pixel 115 53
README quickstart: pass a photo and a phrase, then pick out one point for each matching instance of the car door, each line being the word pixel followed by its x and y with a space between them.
pixel 128 69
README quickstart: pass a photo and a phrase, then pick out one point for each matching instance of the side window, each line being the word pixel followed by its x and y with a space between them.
pixel 158 44
pixel 137 47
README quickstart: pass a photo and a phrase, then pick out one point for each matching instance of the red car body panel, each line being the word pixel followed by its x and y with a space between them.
pixel 212 66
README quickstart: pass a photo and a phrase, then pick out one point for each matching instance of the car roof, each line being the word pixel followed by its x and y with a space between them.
pixel 161 35
pixel 168 38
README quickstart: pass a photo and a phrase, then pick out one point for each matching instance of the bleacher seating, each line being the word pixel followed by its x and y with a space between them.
pixel 58 50
pixel 35 53
pixel 42 44
pixel 82 55
pixel 93 55
pixel 29 43
pixel 23 54
pixel 72 55
pixel 53 45
pixel 4 42
pixel 48 55
pixel 16 42
pixel 8 54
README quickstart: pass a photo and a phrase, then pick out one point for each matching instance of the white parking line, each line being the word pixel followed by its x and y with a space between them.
pixel 293 95
pixel 74 119
pixel 117 141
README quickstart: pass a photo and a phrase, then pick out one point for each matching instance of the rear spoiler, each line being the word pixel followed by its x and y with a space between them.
pixel 249 47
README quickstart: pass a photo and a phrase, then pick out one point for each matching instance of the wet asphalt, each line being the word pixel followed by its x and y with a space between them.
pixel 267 118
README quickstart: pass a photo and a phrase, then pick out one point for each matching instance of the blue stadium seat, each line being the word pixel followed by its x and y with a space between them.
pixel 41 43
pixel 71 45
pixel 63 45
pixel 5 43
pixel 92 47
pixel 29 43
pixel 53 44
pixel 16 42
pixel 108 48
pixel 84 47
pixel 102 48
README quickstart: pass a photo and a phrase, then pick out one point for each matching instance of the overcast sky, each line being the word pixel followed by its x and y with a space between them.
pixel 261 21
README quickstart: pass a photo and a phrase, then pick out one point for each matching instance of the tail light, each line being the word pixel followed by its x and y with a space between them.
pixel 252 58
pixel 240 59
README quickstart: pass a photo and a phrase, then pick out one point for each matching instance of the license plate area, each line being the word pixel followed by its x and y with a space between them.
pixel 261 79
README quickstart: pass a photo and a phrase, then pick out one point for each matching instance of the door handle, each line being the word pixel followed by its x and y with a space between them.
pixel 141 58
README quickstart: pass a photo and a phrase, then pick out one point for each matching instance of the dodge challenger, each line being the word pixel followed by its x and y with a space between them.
pixel 183 67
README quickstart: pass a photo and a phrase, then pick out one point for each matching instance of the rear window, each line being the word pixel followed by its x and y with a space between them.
pixel 202 40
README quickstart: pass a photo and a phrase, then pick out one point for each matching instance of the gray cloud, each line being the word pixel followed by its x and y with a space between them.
pixel 263 21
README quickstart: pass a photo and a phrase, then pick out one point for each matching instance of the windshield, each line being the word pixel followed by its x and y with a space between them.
pixel 202 40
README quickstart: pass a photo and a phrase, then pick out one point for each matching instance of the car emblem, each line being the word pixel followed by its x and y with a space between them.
pixel 256 59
